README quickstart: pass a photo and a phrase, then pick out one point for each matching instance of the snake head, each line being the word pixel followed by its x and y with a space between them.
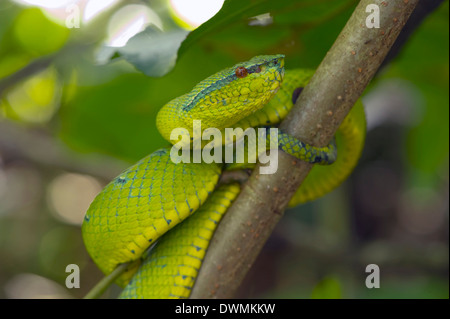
pixel 226 97
pixel 246 87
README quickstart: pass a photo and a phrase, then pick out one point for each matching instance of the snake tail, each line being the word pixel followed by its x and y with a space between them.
pixel 323 179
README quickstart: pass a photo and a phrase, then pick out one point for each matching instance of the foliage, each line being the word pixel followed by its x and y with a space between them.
pixel 109 108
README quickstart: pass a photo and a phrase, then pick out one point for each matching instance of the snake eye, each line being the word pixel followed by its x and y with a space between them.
pixel 241 72
pixel 258 69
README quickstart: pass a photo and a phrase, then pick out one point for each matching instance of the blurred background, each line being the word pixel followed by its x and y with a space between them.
pixel 77 106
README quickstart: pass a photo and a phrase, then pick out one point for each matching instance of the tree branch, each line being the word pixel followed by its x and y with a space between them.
pixel 338 82
pixel 106 281
pixel 38 147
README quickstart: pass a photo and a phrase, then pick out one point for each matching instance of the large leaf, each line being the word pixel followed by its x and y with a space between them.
pixel 233 29
pixel 297 15
pixel 151 51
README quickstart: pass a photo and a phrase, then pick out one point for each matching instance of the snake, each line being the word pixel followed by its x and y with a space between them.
pixel 161 215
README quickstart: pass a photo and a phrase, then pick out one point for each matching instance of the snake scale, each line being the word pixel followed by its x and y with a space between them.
pixel 156 196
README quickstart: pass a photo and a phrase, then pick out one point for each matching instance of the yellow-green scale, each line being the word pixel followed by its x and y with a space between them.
pixel 143 203
pixel 171 267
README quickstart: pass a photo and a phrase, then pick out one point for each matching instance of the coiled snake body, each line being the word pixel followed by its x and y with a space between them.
pixel 157 195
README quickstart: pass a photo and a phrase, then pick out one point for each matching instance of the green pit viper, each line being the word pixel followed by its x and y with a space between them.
pixel 156 195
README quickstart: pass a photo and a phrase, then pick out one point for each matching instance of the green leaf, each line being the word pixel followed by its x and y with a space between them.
pixel 151 51
pixel 232 11
pixel 292 31
pixel 8 13
pixel 116 115
pixel 91 121
pixel 113 118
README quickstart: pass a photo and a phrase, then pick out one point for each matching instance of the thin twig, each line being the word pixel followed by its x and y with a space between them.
pixel 103 284
pixel 34 67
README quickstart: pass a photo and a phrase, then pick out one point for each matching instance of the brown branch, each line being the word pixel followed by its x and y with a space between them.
pixel 37 146
pixel 34 67
pixel 338 82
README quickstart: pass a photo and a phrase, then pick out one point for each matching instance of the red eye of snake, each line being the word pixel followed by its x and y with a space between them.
pixel 241 72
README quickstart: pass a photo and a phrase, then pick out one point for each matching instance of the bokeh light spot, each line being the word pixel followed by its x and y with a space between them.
pixel 31 286
pixel 95 7
pixel 50 4
pixel 129 21
pixel 70 196
pixel 37 99
pixel 195 12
